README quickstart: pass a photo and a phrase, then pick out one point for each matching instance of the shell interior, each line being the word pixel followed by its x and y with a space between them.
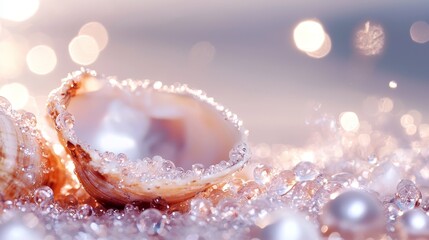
pixel 152 123
pixel 132 141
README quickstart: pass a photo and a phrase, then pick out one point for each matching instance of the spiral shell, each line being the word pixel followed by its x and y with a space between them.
pixel 26 161
pixel 133 141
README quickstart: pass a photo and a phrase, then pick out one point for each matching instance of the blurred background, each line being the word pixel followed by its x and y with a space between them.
pixel 279 65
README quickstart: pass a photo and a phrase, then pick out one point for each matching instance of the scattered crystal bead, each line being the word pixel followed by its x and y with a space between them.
pixel 84 211
pixel 282 183
pixel 43 195
pixel 200 207
pixel 263 174
pixel 305 171
pixel 150 222
pixel 408 196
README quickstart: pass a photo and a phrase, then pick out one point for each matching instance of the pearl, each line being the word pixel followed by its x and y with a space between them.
pixel 288 225
pixel 414 224
pixel 353 214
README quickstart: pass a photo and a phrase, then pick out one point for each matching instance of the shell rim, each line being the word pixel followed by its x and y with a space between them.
pixel 57 108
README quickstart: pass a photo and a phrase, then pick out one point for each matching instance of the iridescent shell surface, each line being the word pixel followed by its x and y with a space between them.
pixel 133 141
pixel 26 160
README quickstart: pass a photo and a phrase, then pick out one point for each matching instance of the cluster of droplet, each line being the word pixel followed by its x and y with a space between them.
pixel 321 181
pixel 148 170
pixel 26 121
pixel 233 209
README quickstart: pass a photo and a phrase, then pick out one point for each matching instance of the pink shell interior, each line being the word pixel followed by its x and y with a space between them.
pixel 176 127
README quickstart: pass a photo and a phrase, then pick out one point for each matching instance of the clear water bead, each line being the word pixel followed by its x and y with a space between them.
pixel 85 211
pixel 167 166
pixel 282 183
pixel 250 190
pixel 305 171
pixel 198 168
pixel 65 120
pixel 29 118
pixel 43 195
pixel 150 222
pixel 200 207
pixel 263 174
pixel 228 208
pixel 233 185
pixel 408 195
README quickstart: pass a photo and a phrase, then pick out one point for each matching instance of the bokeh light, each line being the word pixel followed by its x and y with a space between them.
pixel 324 50
pixel 202 53
pixel 393 84
pixel 97 31
pixel 41 59
pixel 406 120
pixel 370 39
pixel 84 50
pixel 364 139
pixel 385 105
pixel 309 35
pixel 11 59
pixel 424 130
pixel 16 93
pixel 349 121
pixel 18 10
pixel 419 32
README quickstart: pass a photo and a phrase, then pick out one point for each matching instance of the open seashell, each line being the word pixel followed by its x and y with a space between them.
pixel 134 141
pixel 26 160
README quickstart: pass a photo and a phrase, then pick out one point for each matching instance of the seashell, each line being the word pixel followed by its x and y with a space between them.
pixel 134 141
pixel 26 160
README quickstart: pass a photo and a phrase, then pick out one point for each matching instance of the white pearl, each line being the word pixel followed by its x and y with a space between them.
pixel 290 225
pixel 353 213
pixel 414 224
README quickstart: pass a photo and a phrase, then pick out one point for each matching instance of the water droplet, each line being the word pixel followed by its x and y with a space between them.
pixel 29 118
pixel 65 120
pixel 305 171
pixel 200 207
pixel 69 201
pixel 262 174
pixel 150 222
pixel 250 190
pixel 228 208
pixel 282 183
pixel 84 211
pixel 43 195
pixel 408 195
pixel 198 168
pixel 167 166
